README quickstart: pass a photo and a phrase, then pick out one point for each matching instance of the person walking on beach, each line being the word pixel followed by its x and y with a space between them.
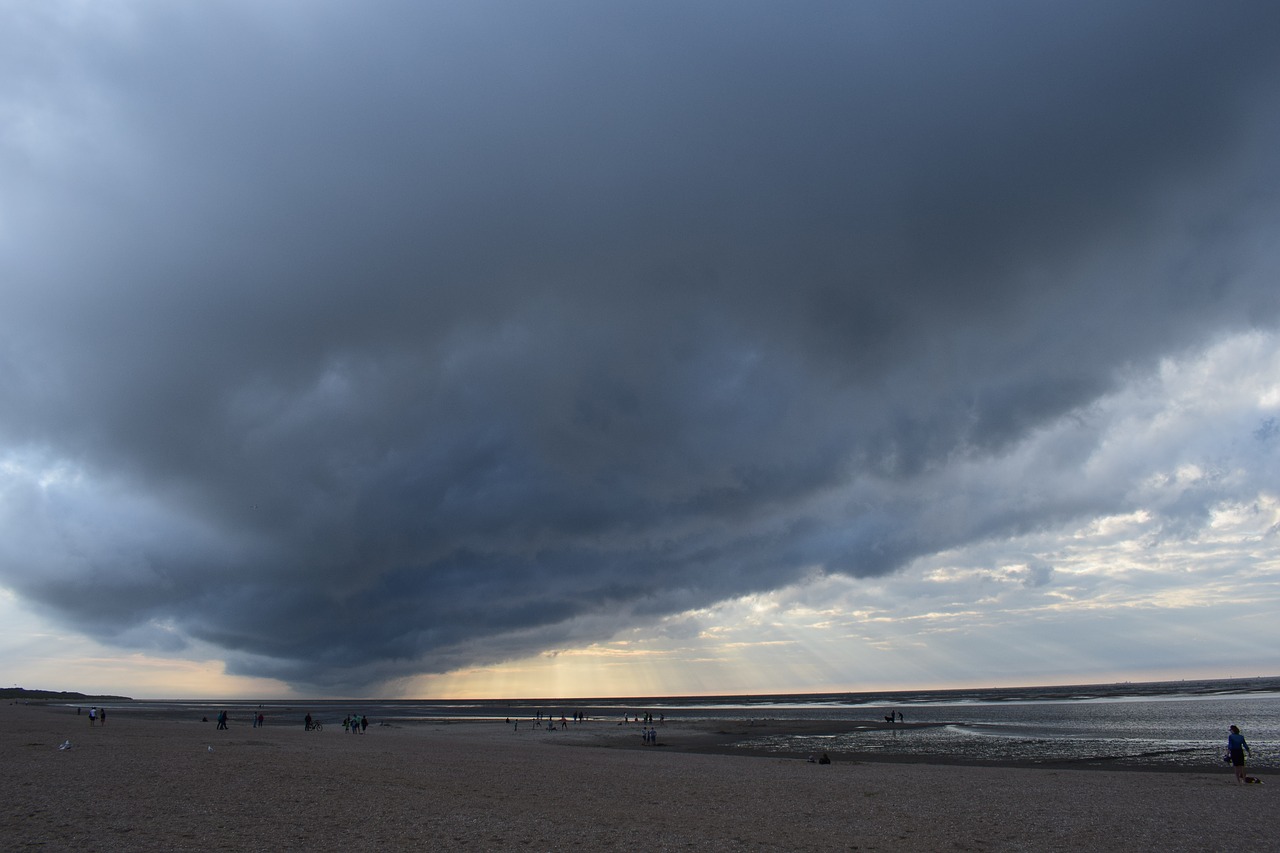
pixel 102 716
pixel 1236 748
pixel 222 719
pixel 93 716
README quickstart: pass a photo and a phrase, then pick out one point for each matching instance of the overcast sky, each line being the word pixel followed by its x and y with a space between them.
pixel 580 348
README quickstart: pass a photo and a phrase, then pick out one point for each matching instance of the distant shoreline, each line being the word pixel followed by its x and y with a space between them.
pixel 1024 693
pixel 32 697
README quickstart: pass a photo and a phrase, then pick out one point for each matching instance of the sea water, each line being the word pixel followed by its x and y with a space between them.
pixel 1174 732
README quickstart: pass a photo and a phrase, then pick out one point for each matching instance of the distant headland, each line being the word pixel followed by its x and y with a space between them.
pixel 23 695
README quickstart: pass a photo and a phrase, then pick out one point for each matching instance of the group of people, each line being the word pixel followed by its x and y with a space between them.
pixel 96 715
pixel 578 717
pixel 353 723
pixel 258 720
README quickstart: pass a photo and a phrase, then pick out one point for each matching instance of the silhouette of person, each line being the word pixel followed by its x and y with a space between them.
pixel 1237 746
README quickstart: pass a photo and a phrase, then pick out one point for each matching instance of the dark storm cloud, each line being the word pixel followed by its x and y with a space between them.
pixel 392 339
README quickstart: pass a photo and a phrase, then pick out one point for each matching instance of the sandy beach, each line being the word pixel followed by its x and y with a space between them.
pixel 157 783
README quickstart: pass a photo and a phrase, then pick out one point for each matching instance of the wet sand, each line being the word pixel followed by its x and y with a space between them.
pixel 161 783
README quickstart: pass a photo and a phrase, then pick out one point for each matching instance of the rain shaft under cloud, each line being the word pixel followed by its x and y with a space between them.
pixel 366 342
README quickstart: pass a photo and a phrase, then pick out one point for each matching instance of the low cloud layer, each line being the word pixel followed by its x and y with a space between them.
pixel 361 343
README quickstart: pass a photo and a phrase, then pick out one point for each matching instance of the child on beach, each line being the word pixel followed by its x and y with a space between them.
pixel 1236 748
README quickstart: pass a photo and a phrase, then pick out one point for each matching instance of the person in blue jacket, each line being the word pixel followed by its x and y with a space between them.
pixel 1236 748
